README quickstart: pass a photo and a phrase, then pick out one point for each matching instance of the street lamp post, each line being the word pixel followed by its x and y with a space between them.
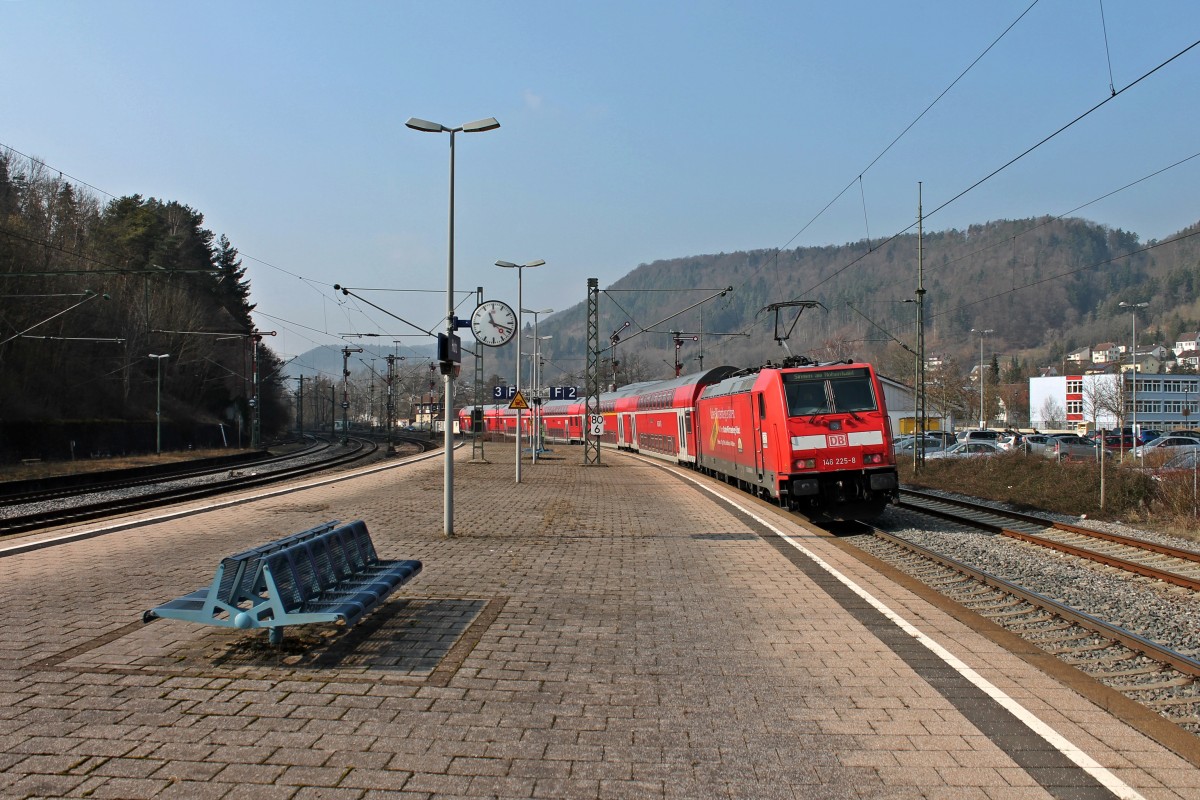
pixel 520 268
pixel 537 380
pixel 982 333
pixel 158 403
pixel 535 377
pixel 447 367
pixel 1133 308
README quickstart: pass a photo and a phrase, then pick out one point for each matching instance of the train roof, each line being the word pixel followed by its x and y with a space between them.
pixel 642 388
pixel 740 381
pixel 704 377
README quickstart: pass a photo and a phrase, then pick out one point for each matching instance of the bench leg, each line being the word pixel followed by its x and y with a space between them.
pixel 275 634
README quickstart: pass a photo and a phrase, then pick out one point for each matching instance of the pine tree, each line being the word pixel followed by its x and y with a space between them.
pixel 233 291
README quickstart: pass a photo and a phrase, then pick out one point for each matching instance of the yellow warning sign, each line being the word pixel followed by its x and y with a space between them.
pixel 518 402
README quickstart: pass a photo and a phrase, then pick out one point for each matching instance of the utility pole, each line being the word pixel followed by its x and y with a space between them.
pixel 300 409
pixel 593 423
pixel 679 339
pixel 919 447
pixel 391 403
pixel 255 404
pixel 346 351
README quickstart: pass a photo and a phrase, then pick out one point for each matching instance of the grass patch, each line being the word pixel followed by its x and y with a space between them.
pixel 1034 482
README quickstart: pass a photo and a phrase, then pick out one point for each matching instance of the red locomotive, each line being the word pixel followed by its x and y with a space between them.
pixel 814 438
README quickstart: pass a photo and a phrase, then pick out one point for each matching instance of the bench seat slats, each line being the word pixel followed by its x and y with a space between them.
pixel 325 574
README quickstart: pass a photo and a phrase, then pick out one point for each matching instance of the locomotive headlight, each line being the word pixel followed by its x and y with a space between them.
pixel 806 463
pixel 873 458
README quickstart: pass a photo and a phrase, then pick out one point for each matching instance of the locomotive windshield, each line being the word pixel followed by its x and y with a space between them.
pixel 829 391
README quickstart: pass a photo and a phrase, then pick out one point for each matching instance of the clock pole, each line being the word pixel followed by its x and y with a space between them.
pixel 477 455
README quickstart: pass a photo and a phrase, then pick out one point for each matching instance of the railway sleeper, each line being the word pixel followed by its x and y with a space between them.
pixel 1173 683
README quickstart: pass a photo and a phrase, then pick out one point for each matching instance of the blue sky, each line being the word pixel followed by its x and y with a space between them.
pixel 630 131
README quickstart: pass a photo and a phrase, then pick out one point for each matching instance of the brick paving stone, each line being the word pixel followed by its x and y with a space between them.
pixel 593 632
pixel 325 793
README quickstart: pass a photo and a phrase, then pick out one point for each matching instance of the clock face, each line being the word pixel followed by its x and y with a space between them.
pixel 493 323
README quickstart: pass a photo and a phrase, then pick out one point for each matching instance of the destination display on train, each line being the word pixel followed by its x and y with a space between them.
pixel 824 375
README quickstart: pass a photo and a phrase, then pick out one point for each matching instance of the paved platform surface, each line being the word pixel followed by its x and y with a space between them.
pixel 594 632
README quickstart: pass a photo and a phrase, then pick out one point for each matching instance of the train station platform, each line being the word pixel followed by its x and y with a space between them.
pixel 612 631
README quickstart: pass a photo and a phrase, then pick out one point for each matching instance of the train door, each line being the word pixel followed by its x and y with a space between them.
pixel 620 431
pixel 685 427
pixel 758 413
pixel 632 428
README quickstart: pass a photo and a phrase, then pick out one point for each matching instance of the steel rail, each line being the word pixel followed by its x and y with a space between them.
pixel 1116 538
pixel 1135 643
pixel 65 516
pixel 1145 570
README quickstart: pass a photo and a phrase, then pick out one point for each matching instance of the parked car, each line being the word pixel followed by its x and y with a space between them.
pixel 1069 447
pixel 948 437
pixel 992 437
pixel 1144 436
pixel 1187 460
pixel 906 444
pixel 1164 443
pixel 968 449
pixel 1035 443
pixel 1119 443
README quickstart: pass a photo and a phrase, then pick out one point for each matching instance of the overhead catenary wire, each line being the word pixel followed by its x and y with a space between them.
pixel 899 136
pixel 1005 165
pixel 1034 228
pixel 1113 94
pixel 1107 52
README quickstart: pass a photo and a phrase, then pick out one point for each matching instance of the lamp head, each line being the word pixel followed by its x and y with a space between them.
pixel 425 125
pixel 510 265
pixel 489 124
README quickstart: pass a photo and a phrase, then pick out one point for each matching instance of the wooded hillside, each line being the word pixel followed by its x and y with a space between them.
pixel 1044 286
pixel 92 292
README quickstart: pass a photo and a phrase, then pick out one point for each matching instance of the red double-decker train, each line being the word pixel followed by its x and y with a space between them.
pixel 815 438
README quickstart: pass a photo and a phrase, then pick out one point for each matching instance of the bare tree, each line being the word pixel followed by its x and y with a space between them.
pixel 946 393
pixel 1108 395
pixel 1052 413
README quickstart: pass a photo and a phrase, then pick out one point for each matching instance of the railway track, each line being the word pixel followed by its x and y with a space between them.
pixel 1101 620
pixel 1175 565
pixel 21 513
pixel 47 490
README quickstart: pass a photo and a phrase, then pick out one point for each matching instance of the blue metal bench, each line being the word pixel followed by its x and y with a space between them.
pixel 324 574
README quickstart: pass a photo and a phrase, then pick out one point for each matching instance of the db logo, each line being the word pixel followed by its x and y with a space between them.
pixel 839 440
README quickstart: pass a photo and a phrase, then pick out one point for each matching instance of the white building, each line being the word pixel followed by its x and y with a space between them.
pixel 901 406
pixel 1188 344
pixel 1081 356
pixel 1106 352
pixel 1165 402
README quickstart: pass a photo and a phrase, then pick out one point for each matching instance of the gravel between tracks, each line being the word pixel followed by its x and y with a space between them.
pixel 1166 614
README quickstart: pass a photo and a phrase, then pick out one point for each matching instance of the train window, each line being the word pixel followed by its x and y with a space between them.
pixel 853 394
pixel 807 398
pixel 826 391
